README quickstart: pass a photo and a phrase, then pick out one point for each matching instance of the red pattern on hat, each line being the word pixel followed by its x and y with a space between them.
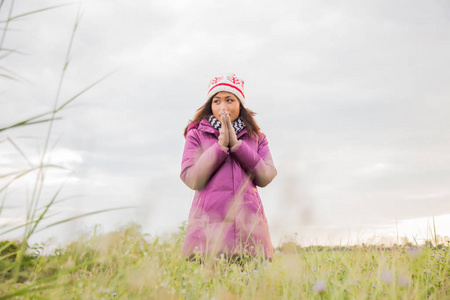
pixel 215 80
pixel 227 83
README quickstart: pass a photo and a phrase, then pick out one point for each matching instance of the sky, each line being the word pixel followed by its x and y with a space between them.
pixel 353 98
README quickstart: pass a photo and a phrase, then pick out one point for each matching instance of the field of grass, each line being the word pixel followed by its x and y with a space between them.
pixel 128 264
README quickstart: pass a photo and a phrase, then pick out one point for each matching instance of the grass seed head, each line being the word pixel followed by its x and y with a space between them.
pixel 320 286
pixel 387 276
pixel 404 281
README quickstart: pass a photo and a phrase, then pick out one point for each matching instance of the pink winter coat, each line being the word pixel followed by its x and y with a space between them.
pixel 227 214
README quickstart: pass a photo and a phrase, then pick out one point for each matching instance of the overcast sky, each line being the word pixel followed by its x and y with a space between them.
pixel 353 97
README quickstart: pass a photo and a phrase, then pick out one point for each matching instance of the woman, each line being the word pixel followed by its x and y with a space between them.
pixel 225 157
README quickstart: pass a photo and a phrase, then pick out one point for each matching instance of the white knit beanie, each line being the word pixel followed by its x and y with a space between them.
pixel 227 83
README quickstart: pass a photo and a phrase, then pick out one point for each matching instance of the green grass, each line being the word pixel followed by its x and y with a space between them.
pixel 128 264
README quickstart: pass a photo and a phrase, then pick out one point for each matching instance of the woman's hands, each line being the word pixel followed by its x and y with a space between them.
pixel 227 135
pixel 224 138
pixel 231 133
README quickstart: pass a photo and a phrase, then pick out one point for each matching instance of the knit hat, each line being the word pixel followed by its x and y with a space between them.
pixel 227 83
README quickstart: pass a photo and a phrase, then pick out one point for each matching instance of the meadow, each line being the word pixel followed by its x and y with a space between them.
pixel 128 264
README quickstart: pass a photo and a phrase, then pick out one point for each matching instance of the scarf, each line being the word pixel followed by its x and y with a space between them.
pixel 237 124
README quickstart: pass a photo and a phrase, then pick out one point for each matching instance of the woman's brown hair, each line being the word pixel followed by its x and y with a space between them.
pixel 246 114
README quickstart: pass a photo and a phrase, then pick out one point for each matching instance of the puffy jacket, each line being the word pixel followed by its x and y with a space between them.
pixel 227 214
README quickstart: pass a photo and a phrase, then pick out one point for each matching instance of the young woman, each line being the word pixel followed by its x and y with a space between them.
pixel 225 157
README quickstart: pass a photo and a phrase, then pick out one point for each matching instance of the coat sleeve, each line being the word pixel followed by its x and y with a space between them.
pixel 258 164
pixel 197 165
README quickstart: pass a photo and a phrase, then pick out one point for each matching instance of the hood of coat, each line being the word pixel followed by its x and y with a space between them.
pixel 205 126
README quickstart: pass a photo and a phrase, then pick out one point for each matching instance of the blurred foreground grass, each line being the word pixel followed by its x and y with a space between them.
pixel 128 264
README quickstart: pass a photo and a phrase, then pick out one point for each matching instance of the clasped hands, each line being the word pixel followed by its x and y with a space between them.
pixel 227 135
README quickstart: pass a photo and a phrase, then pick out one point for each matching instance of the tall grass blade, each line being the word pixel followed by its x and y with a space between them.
pixel 6 255
pixel 6 245
pixel 26 224
pixel 3 203
pixel 20 151
pixel 28 122
pixel 44 212
pixel 84 215
pixel 27 172
pixel 6 25
pixel 8 77
pixel 35 12
pixel 83 91
pixel 435 233
pixel 10 174
pixel 13 76
pixel 5 55
pixel 39 183
pixel 11 51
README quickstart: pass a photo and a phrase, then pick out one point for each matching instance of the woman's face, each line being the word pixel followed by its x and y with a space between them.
pixel 225 101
